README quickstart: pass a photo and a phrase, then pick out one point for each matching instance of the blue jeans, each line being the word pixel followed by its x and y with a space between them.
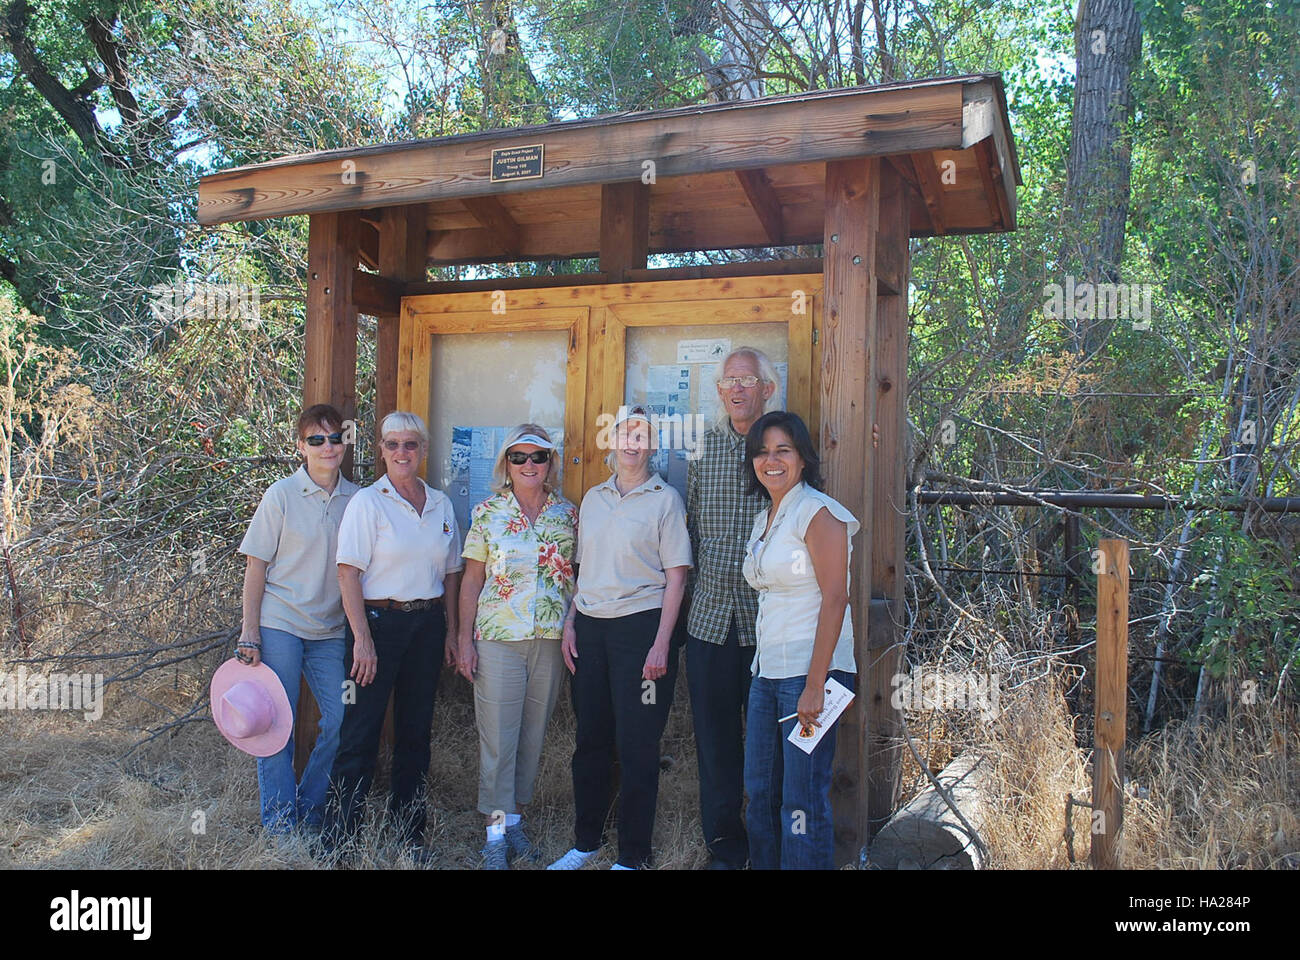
pixel 284 801
pixel 789 813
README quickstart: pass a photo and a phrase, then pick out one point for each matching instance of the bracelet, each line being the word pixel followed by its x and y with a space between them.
pixel 255 644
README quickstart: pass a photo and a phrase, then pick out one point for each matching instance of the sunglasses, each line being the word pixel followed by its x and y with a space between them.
pixel 726 383
pixel 318 439
pixel 407 445
pixel 537 456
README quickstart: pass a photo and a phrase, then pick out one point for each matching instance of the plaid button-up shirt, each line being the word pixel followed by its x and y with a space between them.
pixel 719 517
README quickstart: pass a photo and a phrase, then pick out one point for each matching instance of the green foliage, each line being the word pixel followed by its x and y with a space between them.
pixel 607 57
pixel 1247 599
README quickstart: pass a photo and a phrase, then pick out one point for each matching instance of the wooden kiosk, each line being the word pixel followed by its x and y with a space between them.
pixel 858 171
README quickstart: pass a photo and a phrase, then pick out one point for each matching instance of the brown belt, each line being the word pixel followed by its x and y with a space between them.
pixel 406 606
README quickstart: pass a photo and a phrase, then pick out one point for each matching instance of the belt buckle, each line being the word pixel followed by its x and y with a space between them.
pixel 406 606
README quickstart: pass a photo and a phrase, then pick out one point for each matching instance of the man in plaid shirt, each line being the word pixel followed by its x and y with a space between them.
pixel 724 608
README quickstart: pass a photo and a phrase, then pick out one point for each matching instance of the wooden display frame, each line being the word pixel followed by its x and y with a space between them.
pixel 596 318
pixel 855 172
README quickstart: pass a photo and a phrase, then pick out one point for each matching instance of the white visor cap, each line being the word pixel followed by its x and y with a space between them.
pixel 534 439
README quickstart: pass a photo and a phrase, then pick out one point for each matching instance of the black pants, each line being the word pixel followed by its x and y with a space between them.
pixel 618 710
pixel 718 678
pixel 409 647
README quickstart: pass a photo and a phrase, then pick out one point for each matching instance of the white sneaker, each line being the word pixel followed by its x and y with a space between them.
pixel 575 859
pixel 619 866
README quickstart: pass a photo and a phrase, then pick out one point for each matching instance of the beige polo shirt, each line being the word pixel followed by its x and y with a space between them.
pixel 625 543
pixel 295 530
pixel 402 555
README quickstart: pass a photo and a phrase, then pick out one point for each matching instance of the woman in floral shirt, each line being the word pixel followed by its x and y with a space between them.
pixel 514 598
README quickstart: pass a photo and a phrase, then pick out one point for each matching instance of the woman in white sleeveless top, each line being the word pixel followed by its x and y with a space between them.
pixel 797 558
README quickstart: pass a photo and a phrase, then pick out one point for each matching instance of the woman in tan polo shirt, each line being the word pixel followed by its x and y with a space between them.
pixel 293 611
pixel 633 554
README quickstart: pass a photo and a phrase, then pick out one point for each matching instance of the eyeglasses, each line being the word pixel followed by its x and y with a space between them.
pixel 726 383
pixel 407 445
pixel 318 439
pixel 518 458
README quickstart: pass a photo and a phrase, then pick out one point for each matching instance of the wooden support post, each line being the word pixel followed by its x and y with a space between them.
pixel 848 405
pixel 888 514
pixel 624 229
pixel 403 257
pixel 403 242
pixel 1112 706
pixel 330 345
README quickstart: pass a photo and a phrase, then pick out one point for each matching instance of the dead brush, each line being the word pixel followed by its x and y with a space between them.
pixel 1219 794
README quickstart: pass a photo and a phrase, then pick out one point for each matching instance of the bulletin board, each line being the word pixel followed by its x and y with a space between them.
pixel 486 384
pixel 674 370
pixel 568 357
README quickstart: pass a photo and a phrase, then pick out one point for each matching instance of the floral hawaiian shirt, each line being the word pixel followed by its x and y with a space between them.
pixel 530 579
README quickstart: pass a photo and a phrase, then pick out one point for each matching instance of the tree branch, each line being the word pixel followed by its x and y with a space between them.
pixel 100 32
pixel 72 106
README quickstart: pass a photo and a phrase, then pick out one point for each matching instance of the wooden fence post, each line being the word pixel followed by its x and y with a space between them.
pixel 1111 706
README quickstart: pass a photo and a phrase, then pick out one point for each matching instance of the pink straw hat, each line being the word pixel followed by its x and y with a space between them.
pixel 250 708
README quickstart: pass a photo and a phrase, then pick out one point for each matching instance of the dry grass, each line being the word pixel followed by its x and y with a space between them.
pixel 1033 765
pixel 1222 794
pixel 1210 795
pixel 66 801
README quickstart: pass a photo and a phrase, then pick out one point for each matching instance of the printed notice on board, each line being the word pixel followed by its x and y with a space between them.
pixel 837 697
pixel 668 393
pixel 702 351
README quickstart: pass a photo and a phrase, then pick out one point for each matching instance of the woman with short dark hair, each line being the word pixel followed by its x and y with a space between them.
pixel 293 612
pixel 797 558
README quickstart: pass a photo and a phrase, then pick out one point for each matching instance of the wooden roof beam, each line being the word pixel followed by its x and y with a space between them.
pixel 762 197
pixel 902 165
pixel 983 113
pixel 368 243
pixel 375 295
pixel 496 219
pixel 985 162
pixel 927 178
pixel 901 118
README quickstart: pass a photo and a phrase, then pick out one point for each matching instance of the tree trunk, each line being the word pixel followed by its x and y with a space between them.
pixel 1107 43
pixel 734 75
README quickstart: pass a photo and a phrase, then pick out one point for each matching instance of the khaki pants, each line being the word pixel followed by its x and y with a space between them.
pixel 515 687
